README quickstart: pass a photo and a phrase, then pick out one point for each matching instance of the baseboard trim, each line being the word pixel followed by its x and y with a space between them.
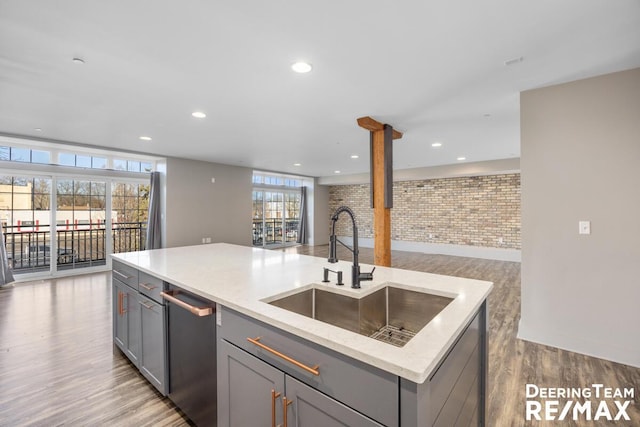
pixel 498 254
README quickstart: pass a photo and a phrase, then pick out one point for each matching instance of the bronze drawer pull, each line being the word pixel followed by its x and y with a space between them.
pixel 285 402
pixel 198 311
pixel 124 276
pixel 274 396
pixel 147 287
pixel 314 370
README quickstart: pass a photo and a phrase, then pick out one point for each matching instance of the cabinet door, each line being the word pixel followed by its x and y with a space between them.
pixel 250 392
pixel 119 315
pixel 153 343
pixel 311 408
pixel 132 309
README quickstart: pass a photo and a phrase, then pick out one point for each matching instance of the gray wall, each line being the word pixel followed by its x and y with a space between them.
pixel 196 208
pixel 319 207
pixel 581 161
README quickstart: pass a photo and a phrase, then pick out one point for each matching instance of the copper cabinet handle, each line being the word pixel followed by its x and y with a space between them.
pixel 198 311
pixel 149 288
pixel 125 295
pixel 274 396
pixel 314 369
pixel 120 303
pixel 124 276
pixel 148 307
pixel 285 402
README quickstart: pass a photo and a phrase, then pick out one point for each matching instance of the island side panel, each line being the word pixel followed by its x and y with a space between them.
pixel 455 394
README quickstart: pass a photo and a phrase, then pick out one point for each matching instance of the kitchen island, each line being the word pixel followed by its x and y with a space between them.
pixel 437 375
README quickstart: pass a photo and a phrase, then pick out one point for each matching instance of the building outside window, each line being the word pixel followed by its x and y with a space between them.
pixel 276 210
pixel 55 220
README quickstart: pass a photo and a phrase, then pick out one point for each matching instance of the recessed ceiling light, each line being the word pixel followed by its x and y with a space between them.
pixel 38 129
pixel 198 114
pixel 301 67
pixel 297 164
pixel 355 156
pixel 487 115
pixel 145 138
pixel 436 144
pixel 77 60
pixel 461 158
pixel 336 171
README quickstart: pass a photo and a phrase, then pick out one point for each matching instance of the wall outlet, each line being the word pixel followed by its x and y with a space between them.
pixel 500 240
pixel 204 240
pixel 207 239
pixel 584 227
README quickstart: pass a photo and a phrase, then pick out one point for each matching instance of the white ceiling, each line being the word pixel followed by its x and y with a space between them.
pixel 431 68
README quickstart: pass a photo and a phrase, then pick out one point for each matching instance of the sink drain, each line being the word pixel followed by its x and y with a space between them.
pixel 392 335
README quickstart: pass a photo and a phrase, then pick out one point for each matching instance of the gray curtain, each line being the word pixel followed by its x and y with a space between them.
pixel 154 238
pixel 6 276
pixel 302 225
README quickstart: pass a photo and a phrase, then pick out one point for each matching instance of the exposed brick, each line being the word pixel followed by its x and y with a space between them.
pixel 474 211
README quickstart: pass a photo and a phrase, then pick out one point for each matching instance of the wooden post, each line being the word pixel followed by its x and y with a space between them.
pixel 381 136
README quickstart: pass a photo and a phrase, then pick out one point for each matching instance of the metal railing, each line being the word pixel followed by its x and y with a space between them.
pixel 30 250
pixel 270 231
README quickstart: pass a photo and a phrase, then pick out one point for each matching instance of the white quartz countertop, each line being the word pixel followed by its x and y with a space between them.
pixel 241 278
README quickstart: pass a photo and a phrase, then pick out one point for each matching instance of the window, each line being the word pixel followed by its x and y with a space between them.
pixel 65 220
pixel 69 158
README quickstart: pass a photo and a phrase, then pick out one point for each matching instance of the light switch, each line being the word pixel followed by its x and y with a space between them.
pixel 584 227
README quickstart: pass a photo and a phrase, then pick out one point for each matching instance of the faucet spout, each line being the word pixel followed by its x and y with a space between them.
pixel 356 276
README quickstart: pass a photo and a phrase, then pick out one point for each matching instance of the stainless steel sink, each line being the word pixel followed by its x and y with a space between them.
pixel 390 314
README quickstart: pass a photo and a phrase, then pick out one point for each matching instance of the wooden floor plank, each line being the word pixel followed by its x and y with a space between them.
pixel 57 365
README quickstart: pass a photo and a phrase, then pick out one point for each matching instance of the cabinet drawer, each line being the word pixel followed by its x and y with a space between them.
pixel 125 274
pixel 151 287
pixel 364 388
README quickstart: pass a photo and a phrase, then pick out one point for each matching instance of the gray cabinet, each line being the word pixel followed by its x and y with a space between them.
pixel 153 343
pixel 253 393
pixel 126 320
pixel 342 391
pixel 139 322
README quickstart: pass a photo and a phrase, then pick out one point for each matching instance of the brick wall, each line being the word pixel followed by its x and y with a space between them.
pixel 474 211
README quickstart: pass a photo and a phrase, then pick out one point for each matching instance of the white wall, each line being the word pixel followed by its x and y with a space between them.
pixel 580 160
pixel 197 208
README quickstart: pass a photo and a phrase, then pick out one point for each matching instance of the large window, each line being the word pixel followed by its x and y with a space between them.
pixel 25 216
pixel 276 209
pixel 56 218
pixel 130 212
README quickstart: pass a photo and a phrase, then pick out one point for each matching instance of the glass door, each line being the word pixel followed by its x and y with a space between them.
pixel 25 213
pixel 80 223
pixel 275 218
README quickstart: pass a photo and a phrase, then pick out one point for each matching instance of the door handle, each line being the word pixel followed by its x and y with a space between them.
pixel 285 402
pixel 311 369
pixel 124 276
pixel 274 396
pixel 147 287
pixel 198 311
pixel 148 307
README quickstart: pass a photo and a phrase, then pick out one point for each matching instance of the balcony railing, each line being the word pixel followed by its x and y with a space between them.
pixel 272 234
pixel 30 250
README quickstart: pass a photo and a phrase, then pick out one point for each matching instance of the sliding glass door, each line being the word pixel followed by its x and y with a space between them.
pixel 25 213
pixel 80 223
pixel 275 217
pixel 92 218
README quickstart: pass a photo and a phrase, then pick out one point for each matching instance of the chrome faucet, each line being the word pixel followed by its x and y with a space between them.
pixel 356 275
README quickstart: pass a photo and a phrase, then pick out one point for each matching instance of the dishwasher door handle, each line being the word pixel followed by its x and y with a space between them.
pixel 198 311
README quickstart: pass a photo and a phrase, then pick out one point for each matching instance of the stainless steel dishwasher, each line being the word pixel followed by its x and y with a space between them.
pixel 192 355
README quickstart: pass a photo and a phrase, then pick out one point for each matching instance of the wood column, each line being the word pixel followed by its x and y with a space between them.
pixel 381 136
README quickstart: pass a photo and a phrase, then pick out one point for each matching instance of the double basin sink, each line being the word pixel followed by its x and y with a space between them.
pixel 390 314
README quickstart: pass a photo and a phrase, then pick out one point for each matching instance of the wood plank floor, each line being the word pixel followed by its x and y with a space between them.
pixel 57 365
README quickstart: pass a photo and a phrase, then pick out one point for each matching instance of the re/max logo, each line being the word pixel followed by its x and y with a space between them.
pixel 576 410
